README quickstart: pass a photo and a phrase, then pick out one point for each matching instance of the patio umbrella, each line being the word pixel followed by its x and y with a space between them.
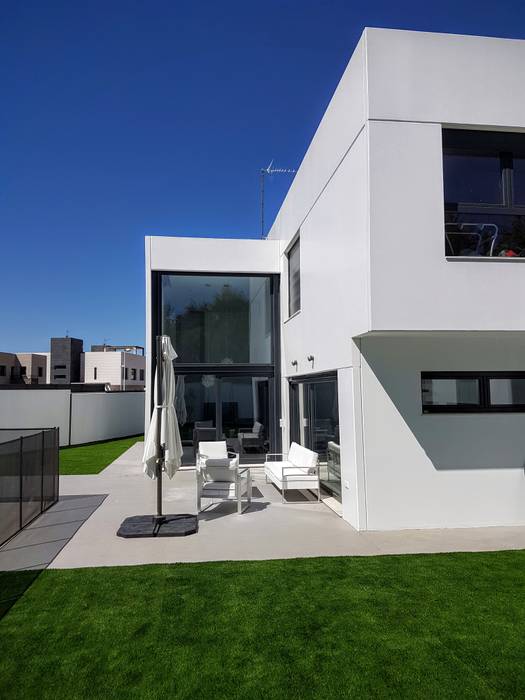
pixel 170 442
pixel 162 452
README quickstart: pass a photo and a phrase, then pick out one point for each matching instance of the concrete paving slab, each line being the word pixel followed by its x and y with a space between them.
pixel 38 544
pixel 268 530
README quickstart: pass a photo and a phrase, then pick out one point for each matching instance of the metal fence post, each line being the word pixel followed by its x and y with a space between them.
pixel 42 461
pixel 20 467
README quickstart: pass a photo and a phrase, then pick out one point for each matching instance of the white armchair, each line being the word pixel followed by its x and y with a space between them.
pixel 299 469
pixel 219 476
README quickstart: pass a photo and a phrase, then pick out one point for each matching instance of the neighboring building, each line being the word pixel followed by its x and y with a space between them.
pixel 382 318
pixel 120 366
pixel 22 368
pixel 65 360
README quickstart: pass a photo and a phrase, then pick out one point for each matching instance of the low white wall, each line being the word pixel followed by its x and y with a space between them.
pixel 102 416
pixel 36 408
pixel 94 416
pixel 439 470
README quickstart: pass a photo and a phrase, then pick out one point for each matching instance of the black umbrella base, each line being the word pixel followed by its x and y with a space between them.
pixel 155 526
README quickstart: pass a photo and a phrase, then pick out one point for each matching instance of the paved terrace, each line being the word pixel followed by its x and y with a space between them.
pixel 92 507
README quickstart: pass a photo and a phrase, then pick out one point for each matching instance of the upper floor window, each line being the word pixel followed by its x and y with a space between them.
pixel 2 370
pixel 133 373
pixel 141 375
pixel 40 371
pixel 484 187
pixel 294 278
pixel 218 319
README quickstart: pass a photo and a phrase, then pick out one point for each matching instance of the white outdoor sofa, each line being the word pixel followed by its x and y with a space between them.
pixel 219 476
pixel 298 469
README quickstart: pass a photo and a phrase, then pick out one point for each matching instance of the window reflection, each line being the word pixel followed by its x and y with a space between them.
pixel 218 319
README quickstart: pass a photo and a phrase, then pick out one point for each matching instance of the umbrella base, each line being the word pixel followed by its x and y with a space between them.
pixel 158 526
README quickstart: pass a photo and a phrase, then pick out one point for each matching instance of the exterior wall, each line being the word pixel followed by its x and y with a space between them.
pixel 32 362
pixel 103 416
pixel 445 78
pixel 334 272
pixel 214 255
pixel 94 416
pixel 8 360
pixel 110 368
pixel 413 285
pixel 36 408
pixel 439 470
pixel 339 127
pixel 65 352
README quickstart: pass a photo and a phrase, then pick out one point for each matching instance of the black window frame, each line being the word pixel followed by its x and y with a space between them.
pixel 507 146
pixel 3 370
pixel 40 372
pixel 141 375
pixel 294 248
pixel 484 405
pixel 133 374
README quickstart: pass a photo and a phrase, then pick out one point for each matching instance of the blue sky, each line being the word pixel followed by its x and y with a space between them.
pixel 123 119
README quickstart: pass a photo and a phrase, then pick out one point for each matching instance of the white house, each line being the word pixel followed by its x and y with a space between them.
pixel 122 368
pixel 382 317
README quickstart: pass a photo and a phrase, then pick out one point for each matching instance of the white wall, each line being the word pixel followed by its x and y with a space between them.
pixel 343 120
pixel 448 78
pixel 36 408
pixel 439 470
pixel 334 272
pixel 413 285
pixel 101 416
pixel 94 416
pixel 109 368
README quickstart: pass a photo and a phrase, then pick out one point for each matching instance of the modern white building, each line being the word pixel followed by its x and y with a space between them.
pixel 122 367
pixel 382 317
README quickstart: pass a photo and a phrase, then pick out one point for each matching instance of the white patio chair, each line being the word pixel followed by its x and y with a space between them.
pixel 297 469
pixel 219 476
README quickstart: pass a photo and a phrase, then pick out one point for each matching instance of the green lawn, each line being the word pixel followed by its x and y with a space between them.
pixel 92 459
pixel 423 626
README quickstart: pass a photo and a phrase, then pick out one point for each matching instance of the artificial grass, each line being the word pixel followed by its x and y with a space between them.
pixel 420 626
pixel 93 458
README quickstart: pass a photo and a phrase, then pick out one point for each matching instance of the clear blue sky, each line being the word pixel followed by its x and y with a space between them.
pixel 123 119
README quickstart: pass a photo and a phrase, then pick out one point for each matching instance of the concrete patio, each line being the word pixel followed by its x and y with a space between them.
pixel 268 530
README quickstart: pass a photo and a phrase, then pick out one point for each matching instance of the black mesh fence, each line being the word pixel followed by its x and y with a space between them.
pixel 28 477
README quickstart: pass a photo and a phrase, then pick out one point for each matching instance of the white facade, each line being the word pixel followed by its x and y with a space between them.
pixel 380 301
pixel 123 370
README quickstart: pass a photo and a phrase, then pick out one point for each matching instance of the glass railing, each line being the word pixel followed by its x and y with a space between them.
pixel 484 235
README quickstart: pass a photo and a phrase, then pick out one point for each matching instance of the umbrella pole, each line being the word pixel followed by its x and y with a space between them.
pixel 158 446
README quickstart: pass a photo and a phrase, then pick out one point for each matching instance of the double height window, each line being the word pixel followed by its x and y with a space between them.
pixel 484 186
pixel 473 392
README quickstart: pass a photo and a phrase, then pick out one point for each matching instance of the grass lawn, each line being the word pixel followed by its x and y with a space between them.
pixel 423 626
pixel 92 459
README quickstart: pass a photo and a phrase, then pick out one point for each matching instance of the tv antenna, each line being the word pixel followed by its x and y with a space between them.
pixel 270 170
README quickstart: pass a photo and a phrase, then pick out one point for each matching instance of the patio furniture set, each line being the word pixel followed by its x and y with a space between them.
pixel 220 476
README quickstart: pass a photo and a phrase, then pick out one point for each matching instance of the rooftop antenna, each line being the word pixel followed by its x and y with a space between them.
pixel 270 170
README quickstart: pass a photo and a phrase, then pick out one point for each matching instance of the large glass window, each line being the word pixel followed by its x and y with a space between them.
pixel 218 319
pixel 471 392
pixel 294 279
pixel 484 188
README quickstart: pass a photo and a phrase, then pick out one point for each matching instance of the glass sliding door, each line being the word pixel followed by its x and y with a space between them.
pixel 314 412
pixel 232 408
pixel 245 416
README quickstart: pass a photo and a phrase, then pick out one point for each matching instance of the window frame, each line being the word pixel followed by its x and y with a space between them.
pixel 484 405
pixel 506 145
pixel 295 245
